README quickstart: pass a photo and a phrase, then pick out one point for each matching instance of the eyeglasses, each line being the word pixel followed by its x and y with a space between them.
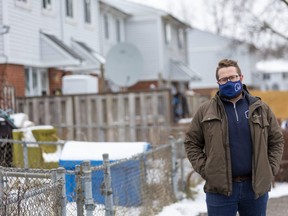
pixel 232 78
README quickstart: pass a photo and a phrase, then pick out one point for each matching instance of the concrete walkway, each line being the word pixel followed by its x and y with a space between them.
pixel 276 207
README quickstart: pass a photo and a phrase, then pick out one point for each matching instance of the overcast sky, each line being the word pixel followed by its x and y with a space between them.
pixel 198 14
pixel 198 18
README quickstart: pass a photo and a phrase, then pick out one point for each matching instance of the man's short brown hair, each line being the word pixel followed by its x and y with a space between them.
pixel 227 63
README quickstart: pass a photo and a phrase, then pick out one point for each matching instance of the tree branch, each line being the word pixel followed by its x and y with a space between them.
pixel 266 26
pixel 285 2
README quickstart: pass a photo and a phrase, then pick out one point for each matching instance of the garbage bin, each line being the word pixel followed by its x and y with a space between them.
pixel 36 153
pixel 6 127
pixel 6 156
pixel 125 176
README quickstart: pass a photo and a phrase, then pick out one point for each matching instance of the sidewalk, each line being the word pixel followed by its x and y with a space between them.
pixel 276 207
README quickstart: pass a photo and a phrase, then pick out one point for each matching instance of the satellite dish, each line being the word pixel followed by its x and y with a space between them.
pixel 124 64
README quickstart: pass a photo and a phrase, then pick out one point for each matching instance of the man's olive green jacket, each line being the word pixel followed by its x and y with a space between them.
pixel 207 146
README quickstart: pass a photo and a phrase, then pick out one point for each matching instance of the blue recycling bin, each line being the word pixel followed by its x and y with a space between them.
pixel 125 176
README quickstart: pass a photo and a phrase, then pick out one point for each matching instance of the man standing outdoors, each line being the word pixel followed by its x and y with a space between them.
pixel 235 143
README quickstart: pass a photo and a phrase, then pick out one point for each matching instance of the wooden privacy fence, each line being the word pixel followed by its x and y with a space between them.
pixel 194 102
pixel 129 116
pixel 7 97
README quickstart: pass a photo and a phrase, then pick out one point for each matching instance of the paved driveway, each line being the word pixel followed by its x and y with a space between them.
pixel 276 207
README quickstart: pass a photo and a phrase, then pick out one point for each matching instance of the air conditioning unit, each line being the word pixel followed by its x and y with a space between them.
pixel 79 84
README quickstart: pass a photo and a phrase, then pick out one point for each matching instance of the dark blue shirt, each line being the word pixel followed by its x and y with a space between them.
pixel 240 141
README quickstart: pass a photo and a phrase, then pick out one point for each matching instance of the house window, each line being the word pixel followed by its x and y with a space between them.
pixel 118 30
pixel 36 82
pixel 266 76
pixel 180 38
pixel 167 32
pixel 69 8
pixel 275 87
pixel 106 26
pixel 23 3
pixel 285 75
pixel 46 4
pixel 87 11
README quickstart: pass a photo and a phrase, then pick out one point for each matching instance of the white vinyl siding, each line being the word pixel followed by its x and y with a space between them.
pixel 25 27
pixel 205 51
pixel 79 30
pixel 1 29
pixel 1 46
pixel 143 35
pixel 24 34
pixel 112 31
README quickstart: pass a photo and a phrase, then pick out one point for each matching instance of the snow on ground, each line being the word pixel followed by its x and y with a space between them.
pixel 188 207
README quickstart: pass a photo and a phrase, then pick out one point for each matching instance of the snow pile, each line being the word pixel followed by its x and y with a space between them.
pixel 76 150
pixel 21 120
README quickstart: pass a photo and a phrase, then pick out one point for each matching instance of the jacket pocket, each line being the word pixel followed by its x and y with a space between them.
pixel 260 120
pixel 260 125
pixel 212 132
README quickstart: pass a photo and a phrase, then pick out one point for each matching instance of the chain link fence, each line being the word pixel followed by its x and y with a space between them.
pixel 139 185
pixel 31 192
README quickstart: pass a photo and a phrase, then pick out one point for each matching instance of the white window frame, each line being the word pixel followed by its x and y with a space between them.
pixel 87 12
pixel 118 30
pixel 167 32
pixel 266 76
pixel 34 83
pixel 47 5
pixel 285 75
pixel 50 7
pixel 180 38
pixel 106 26
pixel 26 4
pixel 70 11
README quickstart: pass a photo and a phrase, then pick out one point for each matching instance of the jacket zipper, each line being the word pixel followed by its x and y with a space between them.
pixel 235 110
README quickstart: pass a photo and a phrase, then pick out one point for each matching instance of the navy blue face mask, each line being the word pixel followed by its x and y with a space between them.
pixel 230 89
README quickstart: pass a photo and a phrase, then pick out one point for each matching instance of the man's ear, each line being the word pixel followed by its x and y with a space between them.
pixel 241 77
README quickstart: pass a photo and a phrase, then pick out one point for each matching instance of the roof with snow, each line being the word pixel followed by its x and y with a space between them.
pixel 273 66
pixel 134 8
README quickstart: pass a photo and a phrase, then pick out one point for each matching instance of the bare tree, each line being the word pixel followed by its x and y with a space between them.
pixel 266 28
pixel 285 2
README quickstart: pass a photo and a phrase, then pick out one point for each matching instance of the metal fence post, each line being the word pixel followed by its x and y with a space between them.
pixel 61 179
pixel 87 182
pixel 109 208
pixel 1 191
pixel 25 155
pixel 174 166
pixel 181 148
pixel 79 191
